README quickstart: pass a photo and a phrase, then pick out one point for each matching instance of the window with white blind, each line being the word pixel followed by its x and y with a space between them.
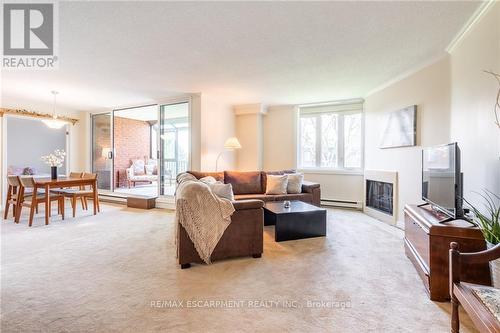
pixel 330 136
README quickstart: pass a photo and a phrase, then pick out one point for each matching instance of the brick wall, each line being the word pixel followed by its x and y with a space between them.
pixel 132 140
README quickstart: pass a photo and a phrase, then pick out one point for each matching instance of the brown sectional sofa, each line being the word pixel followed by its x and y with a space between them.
pixel 252 185
pixel 244 236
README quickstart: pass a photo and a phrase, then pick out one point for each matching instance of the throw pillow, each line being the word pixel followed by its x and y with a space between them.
pixel 151 166
pixel 150 169
pixel 222 190
pixel 138 167
pixel 208 180
pixel 295 183
pixel 276 184
pixel 28 171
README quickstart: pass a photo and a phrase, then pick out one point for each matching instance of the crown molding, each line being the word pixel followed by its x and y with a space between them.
pixel 471 22
pixel 336 102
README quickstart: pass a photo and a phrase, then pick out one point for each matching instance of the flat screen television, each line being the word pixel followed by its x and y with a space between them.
pixel 442 179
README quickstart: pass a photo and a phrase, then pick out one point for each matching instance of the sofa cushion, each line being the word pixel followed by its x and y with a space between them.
pixel 138 167
pixel 265 173
pixel 151 166
pixel 222 190
pixel 294 185
pixel 150 169
pixel 305 197
pixel 490 297
pixel 248 204
pixel 244 182
pixel 208 180
pixel 217 175
pixel 144 178
pixel 276 184
pixel 309 186
pixel 262 197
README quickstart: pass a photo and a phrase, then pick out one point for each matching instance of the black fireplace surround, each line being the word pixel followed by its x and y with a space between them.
pixel 379 196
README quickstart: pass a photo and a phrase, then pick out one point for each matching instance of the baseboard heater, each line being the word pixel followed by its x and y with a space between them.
pixel 341 203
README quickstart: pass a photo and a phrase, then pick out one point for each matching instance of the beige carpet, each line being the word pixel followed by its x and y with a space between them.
pixel 103 273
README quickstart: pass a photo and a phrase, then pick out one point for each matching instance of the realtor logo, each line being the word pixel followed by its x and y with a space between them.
pixel 29 35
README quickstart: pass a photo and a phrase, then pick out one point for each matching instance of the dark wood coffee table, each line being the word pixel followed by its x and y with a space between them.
pixel 301 220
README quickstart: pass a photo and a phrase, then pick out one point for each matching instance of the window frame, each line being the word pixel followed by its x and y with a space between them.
pixel 349 110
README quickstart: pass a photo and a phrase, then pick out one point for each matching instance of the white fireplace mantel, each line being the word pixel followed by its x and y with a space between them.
pixel 385 176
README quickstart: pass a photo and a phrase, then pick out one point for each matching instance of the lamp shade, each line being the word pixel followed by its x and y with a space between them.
pixel 54 123
pixel 232 143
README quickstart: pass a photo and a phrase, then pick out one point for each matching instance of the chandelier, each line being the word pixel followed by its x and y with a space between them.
pixel 54 122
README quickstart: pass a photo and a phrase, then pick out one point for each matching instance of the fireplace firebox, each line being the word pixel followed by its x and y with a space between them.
pixel 379 196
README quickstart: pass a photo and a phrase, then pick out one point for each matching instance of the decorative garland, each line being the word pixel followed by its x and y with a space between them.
pixel 26 113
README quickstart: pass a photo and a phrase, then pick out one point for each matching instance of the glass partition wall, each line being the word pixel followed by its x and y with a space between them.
pixel 174 144
pixel 140 151
pixel 102 153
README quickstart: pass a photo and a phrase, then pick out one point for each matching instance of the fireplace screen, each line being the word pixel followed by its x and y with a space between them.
pixel 379 196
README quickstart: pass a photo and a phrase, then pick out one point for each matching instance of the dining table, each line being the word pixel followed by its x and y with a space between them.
pixel 64 182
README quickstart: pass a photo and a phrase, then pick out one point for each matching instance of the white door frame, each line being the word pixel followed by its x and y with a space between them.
pixel 91 150
pixel 172 101
pixel 167 101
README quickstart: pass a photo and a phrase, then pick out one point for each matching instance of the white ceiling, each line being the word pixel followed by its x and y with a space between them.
pixel 127 53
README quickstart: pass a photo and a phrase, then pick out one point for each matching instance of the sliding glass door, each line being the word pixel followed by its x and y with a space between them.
pixel 174 146
pixel 102 153
pixel 135 160
pixel 141 150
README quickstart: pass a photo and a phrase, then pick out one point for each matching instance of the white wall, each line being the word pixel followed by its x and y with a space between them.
pixel 217 125
pixel 473 95
pixel 429 89
pixel 279 138
pixel 28 139
pixel 249 131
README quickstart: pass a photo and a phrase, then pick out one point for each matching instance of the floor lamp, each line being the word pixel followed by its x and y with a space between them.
pixel 230 144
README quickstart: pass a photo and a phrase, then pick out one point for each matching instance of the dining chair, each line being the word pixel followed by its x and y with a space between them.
pixel 12 197
pixel 62 190
pixel 83 193
pixel 32 201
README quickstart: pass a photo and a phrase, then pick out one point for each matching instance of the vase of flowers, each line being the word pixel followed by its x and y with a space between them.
pixel 488 220
pixel 54 160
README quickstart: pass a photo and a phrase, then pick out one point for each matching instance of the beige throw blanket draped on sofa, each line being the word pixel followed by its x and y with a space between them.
pixel 204 215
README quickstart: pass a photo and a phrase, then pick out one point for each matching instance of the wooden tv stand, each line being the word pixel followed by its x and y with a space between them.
pixel 427 245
